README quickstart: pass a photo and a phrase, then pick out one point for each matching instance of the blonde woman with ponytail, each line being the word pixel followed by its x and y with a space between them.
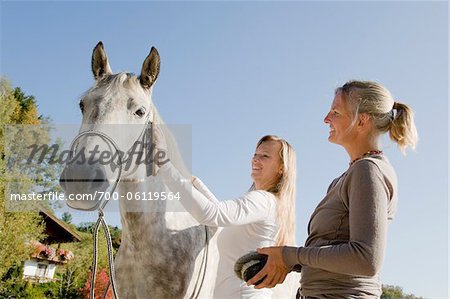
pixel 344 252
pixel 263 216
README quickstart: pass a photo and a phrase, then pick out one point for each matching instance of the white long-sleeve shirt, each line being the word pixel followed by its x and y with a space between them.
pixel 249 222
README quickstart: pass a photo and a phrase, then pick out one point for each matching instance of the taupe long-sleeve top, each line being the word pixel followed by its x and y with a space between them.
pixel 345 248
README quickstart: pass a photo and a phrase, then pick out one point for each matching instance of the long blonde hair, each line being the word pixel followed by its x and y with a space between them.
pixel 285 191
pixel 387 115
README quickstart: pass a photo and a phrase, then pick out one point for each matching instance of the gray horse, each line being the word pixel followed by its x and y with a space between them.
pixel 164 252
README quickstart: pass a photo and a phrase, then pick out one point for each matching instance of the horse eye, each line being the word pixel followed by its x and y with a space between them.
pixel 140 112
pixel 81 106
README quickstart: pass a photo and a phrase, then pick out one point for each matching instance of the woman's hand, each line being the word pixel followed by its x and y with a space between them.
pixel 275 270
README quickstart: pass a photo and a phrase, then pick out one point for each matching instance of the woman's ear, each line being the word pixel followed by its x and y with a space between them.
pixel 280 171
pixel 364 119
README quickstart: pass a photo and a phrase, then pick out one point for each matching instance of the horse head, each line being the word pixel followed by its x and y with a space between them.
pixel 117 114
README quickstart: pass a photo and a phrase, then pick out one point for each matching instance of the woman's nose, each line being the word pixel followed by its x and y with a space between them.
pixel 327 119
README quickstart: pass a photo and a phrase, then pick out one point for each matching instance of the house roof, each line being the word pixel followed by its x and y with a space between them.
pixel 57 231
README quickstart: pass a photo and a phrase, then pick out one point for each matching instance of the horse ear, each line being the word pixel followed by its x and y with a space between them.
pixel 99 63
pixel 150 69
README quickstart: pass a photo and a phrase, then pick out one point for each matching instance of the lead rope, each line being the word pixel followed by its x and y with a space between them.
pixel 112 279
pixel 101 220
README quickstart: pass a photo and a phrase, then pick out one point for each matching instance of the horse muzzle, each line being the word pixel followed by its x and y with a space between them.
pixel 84 185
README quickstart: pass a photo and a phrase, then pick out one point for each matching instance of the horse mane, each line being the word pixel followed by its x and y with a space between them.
pixel 172 145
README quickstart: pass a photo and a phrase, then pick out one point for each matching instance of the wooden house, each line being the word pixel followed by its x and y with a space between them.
pixel 48 255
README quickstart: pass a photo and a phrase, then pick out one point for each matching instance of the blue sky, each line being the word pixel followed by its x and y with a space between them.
pixel 236 71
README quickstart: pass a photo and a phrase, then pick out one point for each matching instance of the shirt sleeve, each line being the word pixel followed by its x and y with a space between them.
pixel 363 254
pixel 200 186
pixel 251 207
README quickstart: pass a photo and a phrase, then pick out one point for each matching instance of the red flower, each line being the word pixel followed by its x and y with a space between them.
pixel 101 281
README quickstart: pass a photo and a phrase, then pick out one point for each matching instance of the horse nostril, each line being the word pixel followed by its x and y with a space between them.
pixel 99 179
pixel 82 178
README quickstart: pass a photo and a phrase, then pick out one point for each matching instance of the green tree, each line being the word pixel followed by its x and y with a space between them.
pixel 396 292
pixel 66 217
pixel 18 227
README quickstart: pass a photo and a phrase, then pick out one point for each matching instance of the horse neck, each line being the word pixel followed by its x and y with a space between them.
pixel 149 216
pixel 141 216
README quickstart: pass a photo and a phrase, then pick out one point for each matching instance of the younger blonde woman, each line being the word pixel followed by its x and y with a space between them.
pixel 263 216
